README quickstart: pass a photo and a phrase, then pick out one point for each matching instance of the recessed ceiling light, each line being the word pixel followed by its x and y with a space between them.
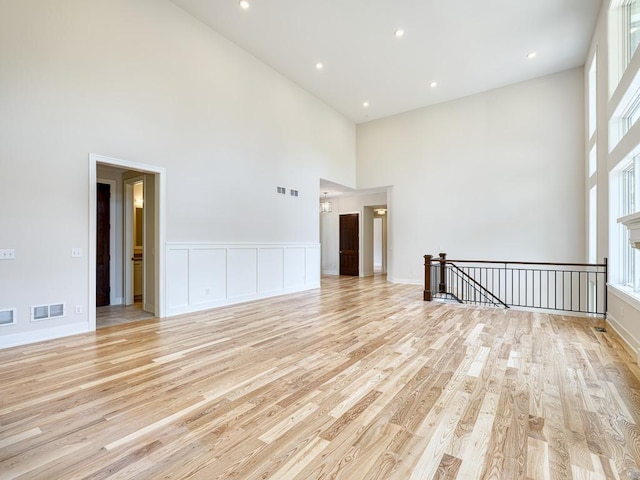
pixel 398 33
pixel 244 4
pixel 365 104
pixel 319 65
pixel 532 55
pixel 433 84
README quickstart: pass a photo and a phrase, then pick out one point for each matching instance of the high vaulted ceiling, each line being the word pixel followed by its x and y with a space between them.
pixel 466 46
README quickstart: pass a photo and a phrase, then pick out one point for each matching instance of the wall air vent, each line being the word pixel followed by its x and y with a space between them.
pixel 45 312
pixel 8 316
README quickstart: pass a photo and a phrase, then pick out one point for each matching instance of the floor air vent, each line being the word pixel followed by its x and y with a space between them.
pixel 601 329
pixel 45 312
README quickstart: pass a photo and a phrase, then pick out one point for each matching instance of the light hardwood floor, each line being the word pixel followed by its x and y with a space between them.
pixel 359 380
pixel 119 314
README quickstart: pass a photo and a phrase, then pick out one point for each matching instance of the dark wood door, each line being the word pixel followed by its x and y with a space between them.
pixel 349 244
pixel 102 247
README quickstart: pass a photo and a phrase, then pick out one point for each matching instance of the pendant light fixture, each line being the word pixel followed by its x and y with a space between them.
pixel 325 205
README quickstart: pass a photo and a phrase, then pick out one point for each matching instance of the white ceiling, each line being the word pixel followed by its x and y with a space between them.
pixel 467 46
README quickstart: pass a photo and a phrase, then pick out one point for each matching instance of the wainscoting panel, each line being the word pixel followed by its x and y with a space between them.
pixel 270 274
pixel 242 274
pixel 312 262
pixel 207 275
pixel 294 267
pixel 177 265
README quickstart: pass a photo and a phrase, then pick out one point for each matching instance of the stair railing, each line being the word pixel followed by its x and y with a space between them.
pixel 567 287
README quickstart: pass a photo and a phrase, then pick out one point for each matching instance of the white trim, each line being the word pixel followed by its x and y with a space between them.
pixel 182 309
pixel 625 294
pixel 243 244
pixel 406 281
pixel 41 335
pixel 624 334
pixel 112 238
pixel 160 172
pixel 330 272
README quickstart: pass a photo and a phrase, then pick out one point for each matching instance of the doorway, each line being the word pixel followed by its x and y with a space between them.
pixel 150 229
pixel 103 245
pixel 377 244
pixel 136 240
pixel 349 244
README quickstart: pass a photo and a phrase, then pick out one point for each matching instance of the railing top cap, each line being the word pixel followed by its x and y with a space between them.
pixel 509 262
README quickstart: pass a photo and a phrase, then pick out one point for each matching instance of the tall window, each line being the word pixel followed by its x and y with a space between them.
pixel 624 31
pixel 592 96
pixel 634 26
pixel 627 207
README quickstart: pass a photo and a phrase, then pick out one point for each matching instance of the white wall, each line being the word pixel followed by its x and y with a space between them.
pixel 498 175
pixel 145 82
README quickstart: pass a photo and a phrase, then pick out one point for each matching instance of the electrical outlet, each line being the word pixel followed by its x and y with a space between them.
pixel 7 254
pixel 76 252
pixel 78 309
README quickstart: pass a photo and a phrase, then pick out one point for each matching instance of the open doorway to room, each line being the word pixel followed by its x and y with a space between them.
pixel 132 254
pixel 380 240
pixel 353 230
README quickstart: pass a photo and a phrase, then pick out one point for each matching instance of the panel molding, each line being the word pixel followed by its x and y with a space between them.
pixel 207 275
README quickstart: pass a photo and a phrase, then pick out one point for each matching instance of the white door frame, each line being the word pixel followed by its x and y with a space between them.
pixel 160 174
pixel 128 240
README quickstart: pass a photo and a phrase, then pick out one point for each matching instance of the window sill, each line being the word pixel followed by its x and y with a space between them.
pixel 626 294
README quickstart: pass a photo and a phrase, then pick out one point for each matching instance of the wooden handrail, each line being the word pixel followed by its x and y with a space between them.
pixel 529 263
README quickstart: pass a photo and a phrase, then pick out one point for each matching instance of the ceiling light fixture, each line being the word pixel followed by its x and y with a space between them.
pixel 398 33
pixel 532 55
pixel 381 211
pixel 244 4
pixel 365 104
pixel 325 205
pixel 319 66
pixel 433 84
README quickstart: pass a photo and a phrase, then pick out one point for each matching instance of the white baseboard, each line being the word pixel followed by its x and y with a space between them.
pixel 629 339
pixel 330 272
pixel 406 281
pixel 117 301
pixel 198 307
pixel 24 338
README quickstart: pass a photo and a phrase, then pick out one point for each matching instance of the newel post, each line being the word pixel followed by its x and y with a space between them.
pixel 442 287
pixel 427 278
